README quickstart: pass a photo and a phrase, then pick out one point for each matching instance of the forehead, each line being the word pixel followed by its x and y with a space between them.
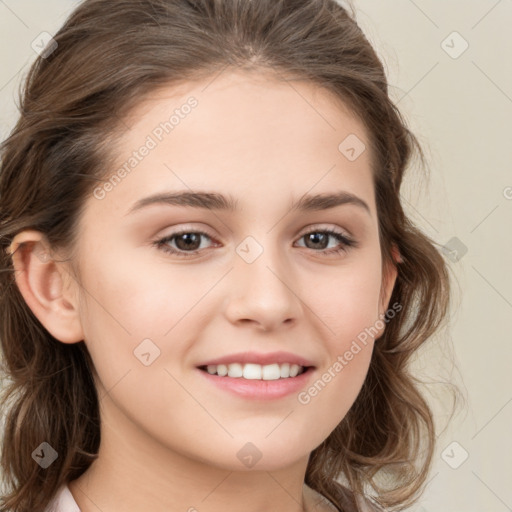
pixel 251 135
pixel 248 101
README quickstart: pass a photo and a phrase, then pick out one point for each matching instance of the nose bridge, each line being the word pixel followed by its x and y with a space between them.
pixel 263 283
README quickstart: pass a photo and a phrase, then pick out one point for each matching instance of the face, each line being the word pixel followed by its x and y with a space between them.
pixel 171 283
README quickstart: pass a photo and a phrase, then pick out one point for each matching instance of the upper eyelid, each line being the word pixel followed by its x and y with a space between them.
pixel 305 231
pixel 336 229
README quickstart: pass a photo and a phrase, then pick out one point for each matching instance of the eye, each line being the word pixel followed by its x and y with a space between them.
pixel 319 239
pixel 186 243
pixel 189 243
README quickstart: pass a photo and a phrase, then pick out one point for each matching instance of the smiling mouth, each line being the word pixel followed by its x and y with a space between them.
pixel 252 371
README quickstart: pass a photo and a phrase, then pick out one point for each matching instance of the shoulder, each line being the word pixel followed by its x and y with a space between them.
pixel 349 501
pixel 63 501
pixel 316 502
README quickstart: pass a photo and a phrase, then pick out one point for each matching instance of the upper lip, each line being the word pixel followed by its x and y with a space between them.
pixel 259 358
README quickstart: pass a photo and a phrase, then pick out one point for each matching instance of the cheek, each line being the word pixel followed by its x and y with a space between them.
pixel 127 302
pixel 141 299
pixel 120 309
pixel 347 305
pixel 348 302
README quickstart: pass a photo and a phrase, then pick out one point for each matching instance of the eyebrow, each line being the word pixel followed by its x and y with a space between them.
pixel 215 201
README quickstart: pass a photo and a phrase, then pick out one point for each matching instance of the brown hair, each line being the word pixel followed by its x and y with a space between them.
pixel 109 56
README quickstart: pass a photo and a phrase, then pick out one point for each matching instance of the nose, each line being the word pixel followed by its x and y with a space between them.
pixel 263 293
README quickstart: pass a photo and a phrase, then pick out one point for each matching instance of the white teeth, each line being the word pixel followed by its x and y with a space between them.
pixel 294 370
pixel 235 370
pixel 271 372
pixel 252 371
pixel 222 370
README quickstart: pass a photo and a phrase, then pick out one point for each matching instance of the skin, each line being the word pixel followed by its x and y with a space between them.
pixel 169 440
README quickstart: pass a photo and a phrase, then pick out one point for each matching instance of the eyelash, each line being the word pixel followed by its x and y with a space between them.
pixel 346 243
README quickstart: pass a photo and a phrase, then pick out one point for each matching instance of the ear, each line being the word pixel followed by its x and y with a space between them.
pixel 388 279
pixel 47 286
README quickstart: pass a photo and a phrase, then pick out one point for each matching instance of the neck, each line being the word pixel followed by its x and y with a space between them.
pixel 135 472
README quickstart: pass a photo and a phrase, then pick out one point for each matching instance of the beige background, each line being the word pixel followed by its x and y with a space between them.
pixel 460 107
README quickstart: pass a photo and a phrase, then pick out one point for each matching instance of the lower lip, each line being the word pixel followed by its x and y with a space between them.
pixel 260 389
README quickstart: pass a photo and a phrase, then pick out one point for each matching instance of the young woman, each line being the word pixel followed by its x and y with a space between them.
pixel 210 291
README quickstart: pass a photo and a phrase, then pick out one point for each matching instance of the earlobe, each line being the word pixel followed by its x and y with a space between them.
pixel 395 252
pixel 40 280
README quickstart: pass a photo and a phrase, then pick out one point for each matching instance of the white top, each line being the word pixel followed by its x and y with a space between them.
pixel 64 502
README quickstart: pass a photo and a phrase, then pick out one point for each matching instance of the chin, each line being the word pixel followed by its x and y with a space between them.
pixel 249 456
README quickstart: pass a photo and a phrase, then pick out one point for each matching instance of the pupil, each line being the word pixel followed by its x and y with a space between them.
pixel 190 241
pixel 314 237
